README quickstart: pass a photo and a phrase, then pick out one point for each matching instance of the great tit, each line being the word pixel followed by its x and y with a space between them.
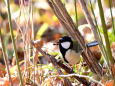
pixel 71 54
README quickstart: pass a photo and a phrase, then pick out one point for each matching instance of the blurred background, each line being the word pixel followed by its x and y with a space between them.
pixel 34 20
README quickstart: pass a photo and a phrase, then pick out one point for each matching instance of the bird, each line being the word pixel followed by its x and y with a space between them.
pixel 70 53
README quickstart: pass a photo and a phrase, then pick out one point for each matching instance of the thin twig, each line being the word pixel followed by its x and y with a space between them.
pixel 113 25
pixel 83 76
pixel 5 59
pixel 13 41
pixel 76 14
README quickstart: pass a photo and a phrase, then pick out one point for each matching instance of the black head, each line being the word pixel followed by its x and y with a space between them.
pixel 65 43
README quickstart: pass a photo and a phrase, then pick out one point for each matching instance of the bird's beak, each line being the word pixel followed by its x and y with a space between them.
pixel 56 43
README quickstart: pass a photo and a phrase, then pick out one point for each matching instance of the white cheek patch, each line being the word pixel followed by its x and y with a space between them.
pixel 65 45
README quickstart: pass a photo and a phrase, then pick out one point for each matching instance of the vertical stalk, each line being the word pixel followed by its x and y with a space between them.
pixel 13 41
pixel 33 53
pixel 105 32
pixel 5 59
pixel 76 18
pixel 110 5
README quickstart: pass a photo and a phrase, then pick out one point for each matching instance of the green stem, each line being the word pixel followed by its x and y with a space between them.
pixel 76 13
pixel 13 41
pixel 105 32
pixel 110 5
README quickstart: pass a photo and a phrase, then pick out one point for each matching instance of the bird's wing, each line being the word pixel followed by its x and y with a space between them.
pixel 77 47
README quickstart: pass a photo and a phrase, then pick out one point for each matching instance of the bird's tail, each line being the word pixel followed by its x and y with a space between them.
pixel 91 44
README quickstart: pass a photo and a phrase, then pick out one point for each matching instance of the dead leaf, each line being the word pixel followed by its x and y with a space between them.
pixel 109 83
pixel 38 43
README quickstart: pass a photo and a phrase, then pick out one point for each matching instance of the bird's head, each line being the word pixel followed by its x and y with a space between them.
pixel 65 43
